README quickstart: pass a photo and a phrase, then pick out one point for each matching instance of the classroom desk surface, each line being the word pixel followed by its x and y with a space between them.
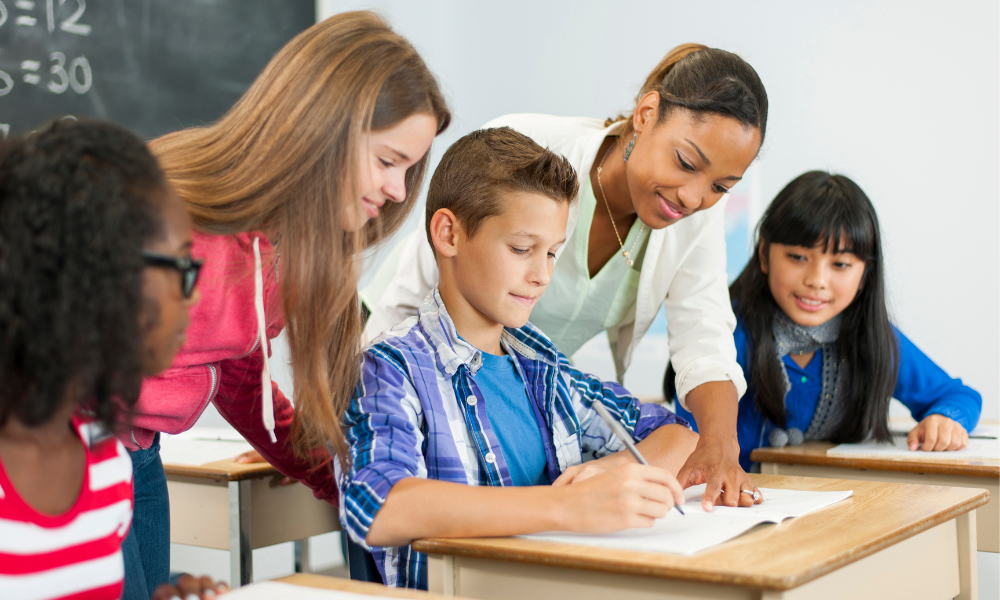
pixel 357 587
pixel 810 460
pixel 238 507
pixel 887 540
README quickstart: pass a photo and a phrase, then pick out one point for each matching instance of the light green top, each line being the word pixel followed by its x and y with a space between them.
pixel 575 307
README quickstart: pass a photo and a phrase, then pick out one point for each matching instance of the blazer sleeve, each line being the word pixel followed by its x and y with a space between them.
pixel 400 284
pixel 925 388
pixel 700 319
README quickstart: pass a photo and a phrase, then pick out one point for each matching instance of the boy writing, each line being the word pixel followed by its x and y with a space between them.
pixel 466 413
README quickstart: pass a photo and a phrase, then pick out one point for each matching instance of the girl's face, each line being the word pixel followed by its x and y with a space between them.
pixel 686 163
pixel 810 285
pixel 383 158
pixel 167 311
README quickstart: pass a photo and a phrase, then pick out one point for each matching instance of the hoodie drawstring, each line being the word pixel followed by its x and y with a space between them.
pixel 265 375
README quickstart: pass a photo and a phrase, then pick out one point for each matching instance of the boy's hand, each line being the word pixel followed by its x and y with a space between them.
pixel 202 588
pixel 578 473
pixel 937 433
pixel 631 495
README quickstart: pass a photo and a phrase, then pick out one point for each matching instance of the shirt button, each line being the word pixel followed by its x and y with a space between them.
pixel 471 400
pixel 803 379
pixel 491 458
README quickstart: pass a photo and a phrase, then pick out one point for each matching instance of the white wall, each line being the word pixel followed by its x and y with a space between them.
pixel 901 96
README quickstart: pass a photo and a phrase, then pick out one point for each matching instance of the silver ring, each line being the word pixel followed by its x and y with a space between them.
pixel 754 493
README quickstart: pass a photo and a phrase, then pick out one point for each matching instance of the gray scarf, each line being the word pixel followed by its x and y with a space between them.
pixel 790 337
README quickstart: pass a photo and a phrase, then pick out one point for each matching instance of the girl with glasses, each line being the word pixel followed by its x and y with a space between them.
pixel 83 320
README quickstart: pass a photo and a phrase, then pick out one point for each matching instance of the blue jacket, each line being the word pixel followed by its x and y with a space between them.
pixel 921 386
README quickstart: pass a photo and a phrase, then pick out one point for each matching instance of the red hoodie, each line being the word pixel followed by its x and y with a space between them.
pixel 222 361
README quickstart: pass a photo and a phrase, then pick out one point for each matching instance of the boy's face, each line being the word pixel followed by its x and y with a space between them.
pixel 502 271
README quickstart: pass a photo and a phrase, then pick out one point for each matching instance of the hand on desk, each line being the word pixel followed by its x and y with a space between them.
pixel 254 457
pixel 203 588
pixel 630 495
pixel 715 460
pixel 937 433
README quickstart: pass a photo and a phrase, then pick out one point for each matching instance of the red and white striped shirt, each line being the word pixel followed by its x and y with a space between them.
pixel 76 555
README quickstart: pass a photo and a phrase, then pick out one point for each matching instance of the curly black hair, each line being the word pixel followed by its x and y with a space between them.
pixel 78 201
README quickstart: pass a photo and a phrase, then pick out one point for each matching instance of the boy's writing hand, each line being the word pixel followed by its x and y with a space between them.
pixel 578 473
pixel 628 496
pixel 191 588
pixel 937 433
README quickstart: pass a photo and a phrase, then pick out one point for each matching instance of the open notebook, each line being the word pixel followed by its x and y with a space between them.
pixel 698 530
pixel 977 449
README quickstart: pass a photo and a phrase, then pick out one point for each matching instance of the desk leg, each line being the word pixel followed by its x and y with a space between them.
pixel 240 534
pixel 441 574
pixel 968 566
pixel 302 556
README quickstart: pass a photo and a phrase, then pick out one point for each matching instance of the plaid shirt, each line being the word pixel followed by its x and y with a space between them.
pixel 418 412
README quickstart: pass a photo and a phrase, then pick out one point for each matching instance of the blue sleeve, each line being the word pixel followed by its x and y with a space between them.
pixel 926 389
pixel 381 425
pixel 638 419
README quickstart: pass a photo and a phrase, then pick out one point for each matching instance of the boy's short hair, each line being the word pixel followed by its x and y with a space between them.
pixel 479 168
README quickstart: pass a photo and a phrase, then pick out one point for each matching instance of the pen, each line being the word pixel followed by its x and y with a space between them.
pixel 624 436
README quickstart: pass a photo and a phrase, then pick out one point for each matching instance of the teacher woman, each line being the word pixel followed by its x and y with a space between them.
pixel 317 161
pixel 646 230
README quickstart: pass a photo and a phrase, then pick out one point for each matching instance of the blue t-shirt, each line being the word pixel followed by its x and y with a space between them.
pixel 513 419
pixel 922 386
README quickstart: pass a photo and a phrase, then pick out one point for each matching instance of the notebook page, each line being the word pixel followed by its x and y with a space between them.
pixel 977 449
pixel 698 530
pixel 274 590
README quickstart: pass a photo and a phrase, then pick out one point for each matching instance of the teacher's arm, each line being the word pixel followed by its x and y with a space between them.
pixel 700 324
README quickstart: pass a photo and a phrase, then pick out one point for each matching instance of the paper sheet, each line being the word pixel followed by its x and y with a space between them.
pixel 273 590
pixel 178 450
pixel 977 449
pixel 697 530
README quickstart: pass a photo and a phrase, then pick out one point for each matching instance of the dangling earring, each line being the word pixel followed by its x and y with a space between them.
pixel 631 144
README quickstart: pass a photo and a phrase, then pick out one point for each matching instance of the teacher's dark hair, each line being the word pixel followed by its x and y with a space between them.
pixel 705 80
pixel 818 209
pixel 78 201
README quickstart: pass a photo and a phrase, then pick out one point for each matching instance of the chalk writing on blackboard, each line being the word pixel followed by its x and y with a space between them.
pixel 63 73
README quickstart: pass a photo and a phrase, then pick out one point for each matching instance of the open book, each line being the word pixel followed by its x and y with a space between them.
pixel 698 530
pixel 977 449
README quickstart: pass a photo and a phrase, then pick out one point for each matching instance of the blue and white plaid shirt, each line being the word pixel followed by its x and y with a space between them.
pixel 418 412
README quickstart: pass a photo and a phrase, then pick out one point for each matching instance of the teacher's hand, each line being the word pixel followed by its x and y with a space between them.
pixel 715 460
pixel 715 463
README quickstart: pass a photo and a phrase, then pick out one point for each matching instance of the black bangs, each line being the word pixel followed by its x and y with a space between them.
pixel 817 208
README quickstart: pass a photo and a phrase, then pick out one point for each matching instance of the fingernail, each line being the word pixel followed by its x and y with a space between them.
pixel 208 593
pixel 192 597
pixel 174 598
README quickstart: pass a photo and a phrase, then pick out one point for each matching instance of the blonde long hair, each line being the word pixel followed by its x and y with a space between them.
pixel 283 160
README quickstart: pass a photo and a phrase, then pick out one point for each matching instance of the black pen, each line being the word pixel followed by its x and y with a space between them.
pixel 624 436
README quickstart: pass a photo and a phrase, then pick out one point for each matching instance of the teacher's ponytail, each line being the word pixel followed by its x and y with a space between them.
pixel 705 80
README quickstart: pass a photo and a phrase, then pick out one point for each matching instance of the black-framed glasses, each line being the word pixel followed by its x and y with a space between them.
pixel 187 266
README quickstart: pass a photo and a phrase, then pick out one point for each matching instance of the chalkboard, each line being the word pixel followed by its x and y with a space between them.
pixel 154 66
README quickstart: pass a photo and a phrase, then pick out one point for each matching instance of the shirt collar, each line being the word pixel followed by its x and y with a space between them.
pixel 451 351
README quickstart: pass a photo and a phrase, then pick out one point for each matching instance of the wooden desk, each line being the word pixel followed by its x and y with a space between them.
pixel 239 507
pixel 888 540
pixel 810 460
pixel 357 587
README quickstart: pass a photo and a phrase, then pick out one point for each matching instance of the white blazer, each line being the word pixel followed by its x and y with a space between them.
pixel 684 269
